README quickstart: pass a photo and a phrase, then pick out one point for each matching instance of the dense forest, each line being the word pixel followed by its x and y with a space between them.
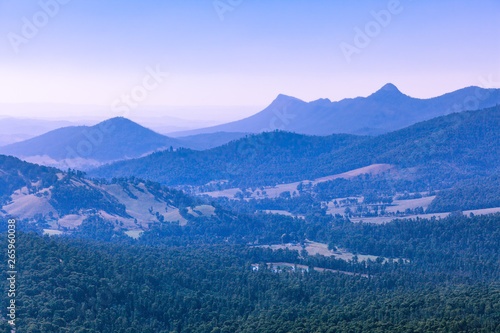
pixel 472 194
pixel 71 285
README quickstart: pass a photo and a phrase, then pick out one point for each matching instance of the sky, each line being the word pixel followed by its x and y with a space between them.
pixel 219 60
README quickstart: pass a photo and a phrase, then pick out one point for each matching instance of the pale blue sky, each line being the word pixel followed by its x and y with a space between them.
pixel 93 52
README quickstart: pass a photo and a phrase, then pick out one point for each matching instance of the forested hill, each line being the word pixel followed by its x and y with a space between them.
pixel 61 201
pixel 462 143
pixel 16 174
pixel 272 156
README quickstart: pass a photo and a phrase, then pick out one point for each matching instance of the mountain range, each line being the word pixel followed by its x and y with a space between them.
pixel 450 147
pixel 454 155
pixel 88 147
pixel 459 151
pixel 384 111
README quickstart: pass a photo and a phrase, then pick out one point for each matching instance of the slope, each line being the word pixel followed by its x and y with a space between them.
pixel 63 201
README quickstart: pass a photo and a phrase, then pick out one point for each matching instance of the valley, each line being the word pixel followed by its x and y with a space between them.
pixel 234 166
pixel 275 219
pixel 294 188
pixel 374 193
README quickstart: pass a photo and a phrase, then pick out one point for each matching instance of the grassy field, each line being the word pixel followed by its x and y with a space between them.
pixel 314 248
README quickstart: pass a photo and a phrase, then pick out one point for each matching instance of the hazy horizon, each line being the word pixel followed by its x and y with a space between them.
pixel 183 117
pixel 239 55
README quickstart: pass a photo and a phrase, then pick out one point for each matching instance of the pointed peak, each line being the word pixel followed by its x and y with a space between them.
pixel 120 122
pixel 389 87
pixel 284 100
pixel 123 119
pixel 282 97
pixel 388 90
pixel 322 101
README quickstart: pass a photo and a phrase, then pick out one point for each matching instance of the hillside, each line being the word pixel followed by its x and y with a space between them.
pixel 63 201
pixel 271 157
pixel 444 149
pixel 384 111
pixel 16 174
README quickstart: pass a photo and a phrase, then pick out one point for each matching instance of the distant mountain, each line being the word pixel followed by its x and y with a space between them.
pixel 83 146
pixel 457 145
pixel 384 111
